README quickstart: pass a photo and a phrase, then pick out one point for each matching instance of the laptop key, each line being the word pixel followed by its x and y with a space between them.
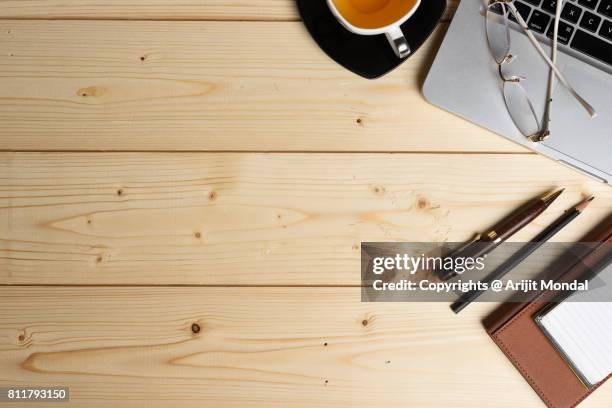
pixel 606 30
pixel 571 13
pixel 538 21
pixel 523 10
pixel 565 32
pixel 534 2
pixel 550 6
pixel 592 46
pixel 588 3
pixel 590 21
pixel 605 8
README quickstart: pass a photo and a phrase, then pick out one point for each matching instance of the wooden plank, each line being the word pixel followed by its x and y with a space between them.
pixel 158 9
pixel 245 218
pixel 107 85
pixel 257 347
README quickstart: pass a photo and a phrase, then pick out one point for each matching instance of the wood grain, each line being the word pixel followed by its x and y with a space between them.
pixel 265 219
pixel 237 75
pixel 261 10
pixel 209 86
pixel 257 347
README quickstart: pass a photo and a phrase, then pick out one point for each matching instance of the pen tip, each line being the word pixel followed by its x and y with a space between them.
pixel 552 196
pixel 585 203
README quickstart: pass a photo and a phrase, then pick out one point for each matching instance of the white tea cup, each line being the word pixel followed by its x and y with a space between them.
pixel 383 19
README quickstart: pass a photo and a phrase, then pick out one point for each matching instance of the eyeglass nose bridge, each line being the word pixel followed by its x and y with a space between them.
pixel 511 78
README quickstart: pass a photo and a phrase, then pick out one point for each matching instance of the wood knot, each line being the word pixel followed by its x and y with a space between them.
pixel 364 322
pixel 379 190
pixel 422 203
pixel 198 235
pixel 359 121
pixel 325 344
pixel 21 337
pixel 212 196
pixel 120 192
pixel 92 91
pixel 143 58
pixel 195 328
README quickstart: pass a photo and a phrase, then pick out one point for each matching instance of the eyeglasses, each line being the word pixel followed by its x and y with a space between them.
pixel 517 100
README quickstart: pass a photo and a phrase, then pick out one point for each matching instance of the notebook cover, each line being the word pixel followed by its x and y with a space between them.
pixel 514 330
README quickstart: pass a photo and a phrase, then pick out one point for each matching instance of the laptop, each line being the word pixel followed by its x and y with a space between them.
pixel 464 79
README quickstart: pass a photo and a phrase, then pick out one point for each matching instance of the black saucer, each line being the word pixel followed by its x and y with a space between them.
pixel 368 56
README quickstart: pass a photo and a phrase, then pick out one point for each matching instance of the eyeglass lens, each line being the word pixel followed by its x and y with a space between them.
pixel 498 32
pixel 517 101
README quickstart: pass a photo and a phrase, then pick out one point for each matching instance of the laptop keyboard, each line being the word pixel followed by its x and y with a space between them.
pixel 585 25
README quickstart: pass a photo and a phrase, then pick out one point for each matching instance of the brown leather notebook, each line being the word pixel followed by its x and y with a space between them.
pixel 514 330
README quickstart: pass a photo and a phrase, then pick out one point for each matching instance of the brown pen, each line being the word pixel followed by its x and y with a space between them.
pixel 488 241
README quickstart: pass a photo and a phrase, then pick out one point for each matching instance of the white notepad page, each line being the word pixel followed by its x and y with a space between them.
pixel 582 330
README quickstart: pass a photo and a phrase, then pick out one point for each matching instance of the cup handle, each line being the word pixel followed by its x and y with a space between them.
pixel 398 42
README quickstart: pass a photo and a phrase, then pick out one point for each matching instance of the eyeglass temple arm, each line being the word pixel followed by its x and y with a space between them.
pixel 545 132
pixel 552 66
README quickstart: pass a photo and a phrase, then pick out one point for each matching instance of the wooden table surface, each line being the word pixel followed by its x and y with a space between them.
pixel 185 186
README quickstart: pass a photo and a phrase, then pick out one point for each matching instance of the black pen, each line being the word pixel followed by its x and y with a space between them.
pixel 487 242
pixel 522 254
